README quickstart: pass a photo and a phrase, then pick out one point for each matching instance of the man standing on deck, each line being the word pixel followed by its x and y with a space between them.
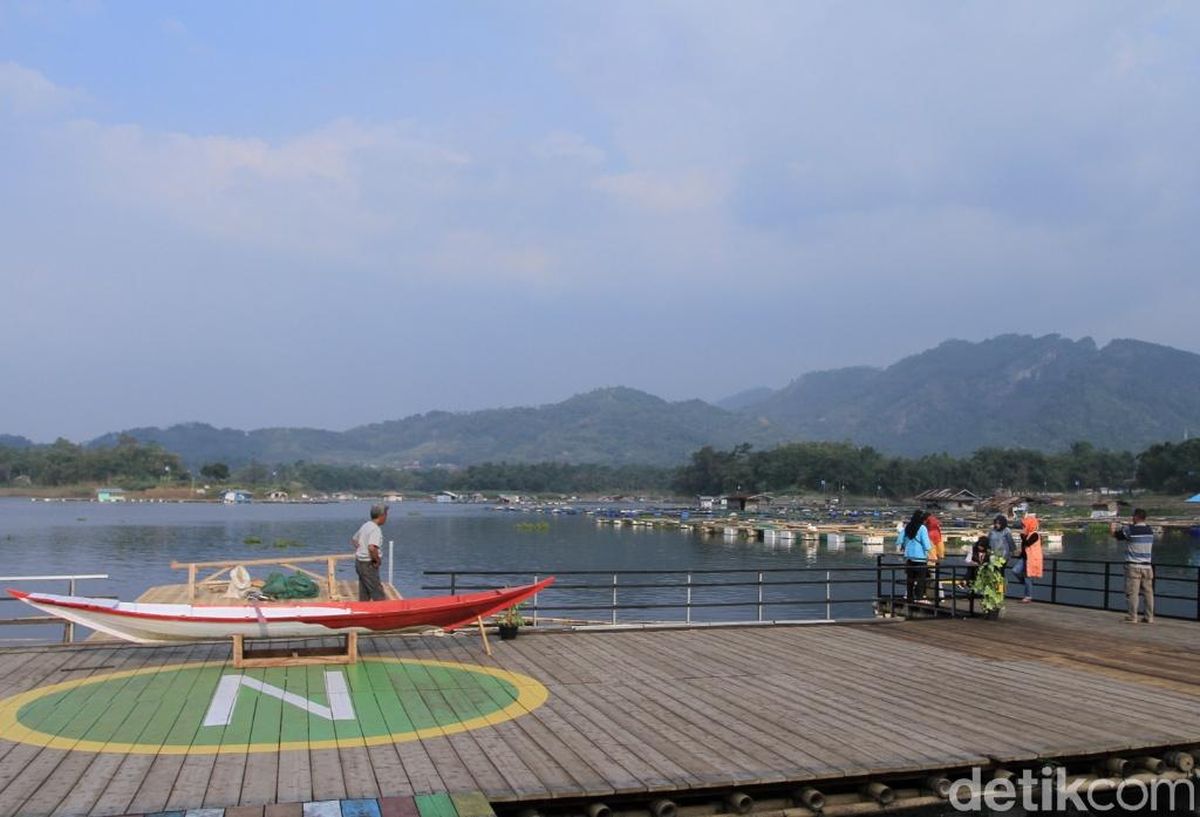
pixel 1139 573
pixel 367 558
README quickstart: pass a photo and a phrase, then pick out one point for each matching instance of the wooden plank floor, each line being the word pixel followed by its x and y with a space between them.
pixel 627 712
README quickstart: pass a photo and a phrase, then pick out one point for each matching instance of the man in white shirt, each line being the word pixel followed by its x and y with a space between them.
pixel 367 556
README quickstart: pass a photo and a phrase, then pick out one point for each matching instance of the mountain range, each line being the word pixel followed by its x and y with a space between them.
pixel 1013 390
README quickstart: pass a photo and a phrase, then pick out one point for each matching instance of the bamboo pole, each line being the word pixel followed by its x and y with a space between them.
pixel 487 647
pixel 234 562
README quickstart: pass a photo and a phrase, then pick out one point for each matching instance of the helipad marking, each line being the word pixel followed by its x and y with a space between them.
pixel 220 711
pixel 201 708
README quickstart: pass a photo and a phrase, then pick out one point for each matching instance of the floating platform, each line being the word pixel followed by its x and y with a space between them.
pixel 555 721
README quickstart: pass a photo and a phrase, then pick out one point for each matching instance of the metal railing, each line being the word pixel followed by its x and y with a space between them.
pixel 1085 583
pixel 68 626
pixel 950 582
pixel 615 597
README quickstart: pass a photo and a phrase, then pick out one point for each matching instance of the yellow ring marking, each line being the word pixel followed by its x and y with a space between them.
pixel 530 695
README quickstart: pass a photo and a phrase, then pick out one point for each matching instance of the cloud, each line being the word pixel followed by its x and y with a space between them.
pixel 317 191
pixel 814 150
pixel 666 193
pixel 565 145
pixel 487 255
pixel 25 92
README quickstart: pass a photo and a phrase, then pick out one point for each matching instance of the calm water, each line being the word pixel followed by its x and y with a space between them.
pixel 135 543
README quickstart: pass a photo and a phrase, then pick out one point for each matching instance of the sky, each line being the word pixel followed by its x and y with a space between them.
pixel 329 214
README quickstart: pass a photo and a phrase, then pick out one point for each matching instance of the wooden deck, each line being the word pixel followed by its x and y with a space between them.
pixel 625 712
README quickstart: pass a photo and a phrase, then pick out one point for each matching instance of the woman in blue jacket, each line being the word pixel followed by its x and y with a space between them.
pixel 917 546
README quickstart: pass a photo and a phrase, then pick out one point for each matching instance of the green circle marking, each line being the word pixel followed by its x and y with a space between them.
pixel 211 708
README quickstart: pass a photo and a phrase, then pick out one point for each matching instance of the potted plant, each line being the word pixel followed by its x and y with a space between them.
pixel 510 622
pixel 989 584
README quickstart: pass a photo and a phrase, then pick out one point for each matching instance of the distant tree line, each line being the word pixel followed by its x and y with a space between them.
pixel 545 477
pixel 795 468
pixel 129 464
pixel 843 467
pixel 1171 467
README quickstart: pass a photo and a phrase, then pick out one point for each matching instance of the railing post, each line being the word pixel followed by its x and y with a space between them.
pixel 453 583
pixel 69 627
pixel 535 602
pixel 688 607
pixel 828 599
pixel 1198 594
pixel 760 596
pixel 1107 576
pixel 879 578
pixel 614 599
pixel 1054 581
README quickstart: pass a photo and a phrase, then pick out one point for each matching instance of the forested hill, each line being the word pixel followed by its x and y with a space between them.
pixel 611 426
pixel 1010 391
pixel 1013 390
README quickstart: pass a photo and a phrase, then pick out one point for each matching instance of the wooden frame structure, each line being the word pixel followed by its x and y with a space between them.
pixel 294 657
pixel 220 579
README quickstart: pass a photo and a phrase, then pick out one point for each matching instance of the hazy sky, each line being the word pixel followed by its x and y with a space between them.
pixel 256 214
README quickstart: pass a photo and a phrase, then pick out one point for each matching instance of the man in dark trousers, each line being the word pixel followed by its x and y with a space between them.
pixel 1139 573
pixel 367 557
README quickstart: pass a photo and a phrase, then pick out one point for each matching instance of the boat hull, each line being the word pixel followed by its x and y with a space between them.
pixel 165 623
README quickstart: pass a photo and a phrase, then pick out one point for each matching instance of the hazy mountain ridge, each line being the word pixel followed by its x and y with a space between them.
pixel 745 398
pixel 610 426
pixel 1012 390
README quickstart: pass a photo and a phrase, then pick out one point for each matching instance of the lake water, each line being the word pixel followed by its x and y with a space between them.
pixel 134 543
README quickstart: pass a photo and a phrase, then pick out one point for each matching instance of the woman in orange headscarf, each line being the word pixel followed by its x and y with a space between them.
pixel 1032 544
pixel 934 526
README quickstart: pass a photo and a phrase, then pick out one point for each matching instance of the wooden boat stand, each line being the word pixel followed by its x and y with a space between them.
pixel 295 656
pixel 303 656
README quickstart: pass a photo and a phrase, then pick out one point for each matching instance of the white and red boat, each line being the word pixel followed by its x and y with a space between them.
pixel 163 623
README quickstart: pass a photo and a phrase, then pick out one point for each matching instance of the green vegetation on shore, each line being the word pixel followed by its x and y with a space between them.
pixel 841 467
pixel 798 467
pixel 128 464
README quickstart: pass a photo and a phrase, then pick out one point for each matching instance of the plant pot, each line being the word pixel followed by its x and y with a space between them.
pixel 994 615
pixel 508 632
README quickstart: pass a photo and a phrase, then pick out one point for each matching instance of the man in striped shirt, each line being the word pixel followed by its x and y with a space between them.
pixel 1139 573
